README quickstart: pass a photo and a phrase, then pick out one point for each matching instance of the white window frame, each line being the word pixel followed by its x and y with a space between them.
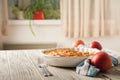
pixel 35 22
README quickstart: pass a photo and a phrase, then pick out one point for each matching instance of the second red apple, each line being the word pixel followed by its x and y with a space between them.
pixel 95 44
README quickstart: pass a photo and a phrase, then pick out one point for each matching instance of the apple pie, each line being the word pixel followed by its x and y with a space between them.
pixel 67 52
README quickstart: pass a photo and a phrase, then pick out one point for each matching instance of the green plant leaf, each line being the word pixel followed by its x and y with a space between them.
pixel 31 29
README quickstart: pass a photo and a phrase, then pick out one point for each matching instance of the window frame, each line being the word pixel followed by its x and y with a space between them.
pixel 35 22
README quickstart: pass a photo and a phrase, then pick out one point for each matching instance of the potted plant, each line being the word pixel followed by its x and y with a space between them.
pixel 38 15
pixel 18 11
pixel 39 10
pixel 35 10
pixel 42 9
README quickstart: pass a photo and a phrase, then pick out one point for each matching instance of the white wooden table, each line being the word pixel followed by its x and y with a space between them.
pixel 23 65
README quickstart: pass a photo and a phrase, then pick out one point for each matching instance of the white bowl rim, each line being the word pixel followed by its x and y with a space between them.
pixel 65 56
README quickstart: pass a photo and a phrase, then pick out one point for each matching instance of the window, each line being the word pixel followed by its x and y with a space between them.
pixel 34 9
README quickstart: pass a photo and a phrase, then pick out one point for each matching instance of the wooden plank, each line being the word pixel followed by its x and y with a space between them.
pixel 4 67
pixel 114 73
pixel 33 56
pixel 70 74
pixel 20 67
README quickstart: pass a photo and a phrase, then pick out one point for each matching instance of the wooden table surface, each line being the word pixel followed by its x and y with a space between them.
pixel 23 65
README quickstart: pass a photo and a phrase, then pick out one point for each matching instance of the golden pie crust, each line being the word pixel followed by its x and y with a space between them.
pixel 67 52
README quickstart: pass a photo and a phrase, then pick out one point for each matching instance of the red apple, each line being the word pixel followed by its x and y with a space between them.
pixel 95 44
pixel 77 42
pixel 102 61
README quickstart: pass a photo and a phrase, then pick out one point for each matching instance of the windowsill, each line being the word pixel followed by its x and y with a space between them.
pixel 35 22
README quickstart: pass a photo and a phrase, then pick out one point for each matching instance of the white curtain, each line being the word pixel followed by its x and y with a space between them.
pixel 3 17
pixel 90 18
